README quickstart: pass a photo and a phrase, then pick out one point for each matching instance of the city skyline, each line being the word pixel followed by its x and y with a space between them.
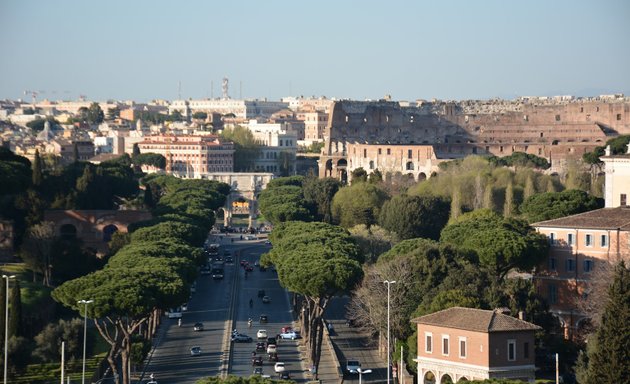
pixel 360 50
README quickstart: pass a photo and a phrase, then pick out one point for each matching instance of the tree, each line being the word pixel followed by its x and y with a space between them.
pixel 359 203
pixel 414 216
pixel 320 193
pixel 136 151
pixel 501 243
pixel 37 169
pixel 200 115
pixel 95 114
pixel 113 113
pixel 246 149
pixel 375 177
pixel 359 175
pixel 15 305
pixel 3 300
pixel 609 362
pixel 508 205
pixel 48 341
pixel 37 251
pixel 149 202
pixel 123 301
pixel 318 261
pixel 283 200
pixel 373 241
pixel 552 205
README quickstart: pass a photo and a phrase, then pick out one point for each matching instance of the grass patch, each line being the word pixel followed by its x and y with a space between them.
pixel 51 372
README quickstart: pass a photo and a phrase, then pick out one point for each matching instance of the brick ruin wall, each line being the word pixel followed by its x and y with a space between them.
pixel 558 130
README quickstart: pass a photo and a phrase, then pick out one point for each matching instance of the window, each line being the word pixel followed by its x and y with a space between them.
pixel 618 116
pixel 409 153
pixel 371 164
pixel 552 264
pixel 557 117
pixel 588 240
pixel 588 265
pixel 570 265
pixel 570 239
pixel 553 294
pixel 445 345
pixel 622 200
pixel 526 350
pixel 462 347
pixel 428 342
pixel 365 153
pixel 603 240
pixel 511 350
pixel 389 151
pixel 379 151
pixel 552 238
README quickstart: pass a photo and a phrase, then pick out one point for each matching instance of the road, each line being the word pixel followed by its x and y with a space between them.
pixel 171 361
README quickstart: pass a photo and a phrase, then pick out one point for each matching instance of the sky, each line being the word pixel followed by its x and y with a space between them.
pixel 449 49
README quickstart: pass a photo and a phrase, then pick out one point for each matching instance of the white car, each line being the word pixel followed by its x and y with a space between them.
pixel 289 335
pixel 272 348
pixel 279 367
pixel 261 334
pixel 353 366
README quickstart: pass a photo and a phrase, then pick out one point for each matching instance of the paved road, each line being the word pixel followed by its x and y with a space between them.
pixel 171 361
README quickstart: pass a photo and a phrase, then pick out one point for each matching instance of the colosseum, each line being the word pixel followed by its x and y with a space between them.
pixel 413 138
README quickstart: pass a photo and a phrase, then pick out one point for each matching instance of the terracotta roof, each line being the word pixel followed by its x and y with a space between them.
pixel 478 320
pixel 604 218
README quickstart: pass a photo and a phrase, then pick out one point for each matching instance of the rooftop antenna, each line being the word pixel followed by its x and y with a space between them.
pixel 211 89
pixel 240 90
pixel 179 90
pixel 224 87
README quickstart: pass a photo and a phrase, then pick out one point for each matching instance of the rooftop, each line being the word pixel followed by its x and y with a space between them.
pixel 477 320
pixel 604 218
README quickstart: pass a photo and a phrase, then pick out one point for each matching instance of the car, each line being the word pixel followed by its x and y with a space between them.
pixel 285 376
pixel 272 348
pixel 261 334
pixel 291 334
pixel 257 361
pixel 174 313
pixel 251 237
pixel 278 367
pixel 263 319
pixel 273 357
pixel 229 260
pixel 244 262
pixel 261 293
pixel 195 351
pixel 267 242
pixel 185 307
pixel 271 340
pixel 240 338
pixel 260 346
pixel 198 327
pixel 352 366
pixel 249 268
pixel 266 299
pixel 258 371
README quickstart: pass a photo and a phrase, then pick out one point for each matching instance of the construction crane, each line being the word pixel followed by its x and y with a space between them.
pixel 33 95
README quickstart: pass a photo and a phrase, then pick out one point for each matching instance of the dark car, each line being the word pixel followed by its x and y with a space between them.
pixel 273 357
pixel 249 268
pixel 198 327
pixel 285 376
pixel 261 293
pixel 229 260
pixel 263 319
pixel 261 346
pixel 258 371
pixel 271 340
pixel 257 361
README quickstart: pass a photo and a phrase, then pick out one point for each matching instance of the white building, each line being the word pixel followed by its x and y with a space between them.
pixel 242 109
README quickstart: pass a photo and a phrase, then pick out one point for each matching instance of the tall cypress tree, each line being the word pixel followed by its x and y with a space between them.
pixel 15 311
pixel 148 197
pixel 37 169
pixel 610 360
pixel 3 300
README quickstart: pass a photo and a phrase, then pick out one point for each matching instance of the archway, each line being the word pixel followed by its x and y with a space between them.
pixel 422 176
pixel 342 163
pixel 429 378
pixel 108 231
pixel 409 166
pixel 68 232
pixel 462 379
pixel 446 379
pixel 328 168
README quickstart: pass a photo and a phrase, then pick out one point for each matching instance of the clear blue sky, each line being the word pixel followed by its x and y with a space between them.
pixel 141 50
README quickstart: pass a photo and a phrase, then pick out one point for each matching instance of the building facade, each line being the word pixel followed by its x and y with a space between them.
pixel 465 344
pixel 191 156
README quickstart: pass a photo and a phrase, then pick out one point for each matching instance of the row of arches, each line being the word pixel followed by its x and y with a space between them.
pixel 69 232
pixel 430 378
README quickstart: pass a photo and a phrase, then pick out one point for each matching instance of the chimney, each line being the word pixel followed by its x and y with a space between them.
pixel 521 315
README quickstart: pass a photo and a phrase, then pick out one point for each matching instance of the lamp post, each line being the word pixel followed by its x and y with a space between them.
pixel 361 372
pixel 389 283
pixel 6 325
pixel 86 302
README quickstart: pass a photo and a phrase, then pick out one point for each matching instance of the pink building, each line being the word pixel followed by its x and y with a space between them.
pixel 463 344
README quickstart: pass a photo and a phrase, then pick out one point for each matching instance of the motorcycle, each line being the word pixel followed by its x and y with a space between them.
pixel 249 323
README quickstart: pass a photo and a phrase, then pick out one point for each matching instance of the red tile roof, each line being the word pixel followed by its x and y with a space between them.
pixel 605 218
pixel 477 320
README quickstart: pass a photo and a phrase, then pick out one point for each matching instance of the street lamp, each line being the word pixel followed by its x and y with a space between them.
pixel 6 325
pixel 389 283
pixel 361 372
pixel 86 302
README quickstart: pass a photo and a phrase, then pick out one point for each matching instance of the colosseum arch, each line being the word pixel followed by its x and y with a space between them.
pixel 422 176
pixel 108 232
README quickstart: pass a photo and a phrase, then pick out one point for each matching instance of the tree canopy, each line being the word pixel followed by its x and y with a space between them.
pixel 283 200
pixel 414 216
pixel 552 205
pixel 359 203
pixel 501 243
pixel 246 149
